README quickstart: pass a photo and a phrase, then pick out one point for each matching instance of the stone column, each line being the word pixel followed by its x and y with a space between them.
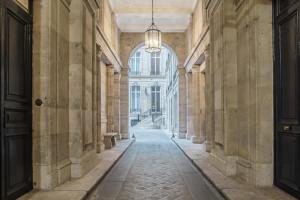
pixel 182 97
pixel 99 141
pixel 124 103
pixel 209 111
pixel 195 104
pixel 117 79
pixel 102 103
pixel 189 105
pixel 82 50
pixel 110 98
pixel 202 105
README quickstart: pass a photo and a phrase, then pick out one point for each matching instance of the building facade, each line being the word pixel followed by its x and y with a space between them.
pixel 172 92
pixel 147 88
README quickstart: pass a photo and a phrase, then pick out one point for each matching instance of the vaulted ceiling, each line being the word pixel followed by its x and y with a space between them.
pixel 169 15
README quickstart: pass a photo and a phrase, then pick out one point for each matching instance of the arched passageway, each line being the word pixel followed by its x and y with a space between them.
pixel 59 122
pixel 153 89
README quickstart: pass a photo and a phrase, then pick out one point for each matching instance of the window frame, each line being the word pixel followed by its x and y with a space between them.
pixel 135 63
pixel 155 59
pixel 135 98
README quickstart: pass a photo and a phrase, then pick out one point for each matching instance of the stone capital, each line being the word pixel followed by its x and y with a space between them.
pixel 99 54
pixel 207 51
pixel 196 69
pixel 188 75
pixel 117 75
pixel 181 71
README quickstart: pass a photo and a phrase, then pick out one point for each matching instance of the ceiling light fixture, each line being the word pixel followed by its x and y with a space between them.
pixel 152 37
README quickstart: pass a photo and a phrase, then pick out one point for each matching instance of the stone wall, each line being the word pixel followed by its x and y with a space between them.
pixel 70 78
pixel 106 20
pixel 235 47
pixel 255 91
pixel 51 158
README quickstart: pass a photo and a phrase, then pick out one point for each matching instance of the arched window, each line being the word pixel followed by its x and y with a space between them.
pixel 135 62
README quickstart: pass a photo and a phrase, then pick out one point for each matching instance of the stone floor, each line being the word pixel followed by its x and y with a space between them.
pixel 78 189
pixel 231 187
pixel 154 168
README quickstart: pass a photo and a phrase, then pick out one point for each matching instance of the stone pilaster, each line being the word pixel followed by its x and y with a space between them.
pixel 110 98
pixel 124 103
pixel 99 140
pixel 189 105
pixel 117 128
pixel 197 136
pixel 82 48
pixel 50 123
pixel 209 116
pixel 182 103
pixel 102 103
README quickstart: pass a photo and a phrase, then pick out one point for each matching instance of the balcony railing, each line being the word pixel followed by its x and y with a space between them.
pixel 135 73
pixel 135 110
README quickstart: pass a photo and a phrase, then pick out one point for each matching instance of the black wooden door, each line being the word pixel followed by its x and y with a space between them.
pixel 16 128
pixel 287 95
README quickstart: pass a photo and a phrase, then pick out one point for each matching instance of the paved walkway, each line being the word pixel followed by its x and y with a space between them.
pixel 154 168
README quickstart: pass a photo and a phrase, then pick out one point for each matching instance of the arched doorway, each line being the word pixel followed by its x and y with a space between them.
pixel 153 89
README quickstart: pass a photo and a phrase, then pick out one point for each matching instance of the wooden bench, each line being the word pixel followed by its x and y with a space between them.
pixel 110 140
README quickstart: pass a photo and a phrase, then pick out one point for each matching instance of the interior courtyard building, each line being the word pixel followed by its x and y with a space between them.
pixel 225 94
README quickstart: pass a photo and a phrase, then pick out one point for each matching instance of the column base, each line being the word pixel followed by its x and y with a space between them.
pixel 188 136
pixel 118 136
pixel 197 140
pixel 80 166
pixel 208 146
pixel 125 136
pixel 182 135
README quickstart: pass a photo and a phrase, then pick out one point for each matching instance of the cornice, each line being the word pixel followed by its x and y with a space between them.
pixel 108 44
pixel 66 3
pixel 238 3
pixel 194 50
pixel 93 4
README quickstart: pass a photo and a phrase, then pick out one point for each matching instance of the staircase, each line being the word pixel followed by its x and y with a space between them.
pixel 146 123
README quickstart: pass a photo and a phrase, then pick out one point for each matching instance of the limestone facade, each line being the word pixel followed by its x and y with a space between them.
pixel 232 45
pixel 75 65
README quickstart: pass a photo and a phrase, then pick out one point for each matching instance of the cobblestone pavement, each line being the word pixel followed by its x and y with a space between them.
pixel 154 168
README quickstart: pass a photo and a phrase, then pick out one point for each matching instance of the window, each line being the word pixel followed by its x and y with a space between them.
pixel 155 63
pixel 135 98
pixel 155 99
pixel 135 62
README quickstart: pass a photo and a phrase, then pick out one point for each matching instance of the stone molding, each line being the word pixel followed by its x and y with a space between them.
pixel 92 4
pixel 238 3
pixel 99 54
pixel 194 55
pixel 107 49
pixel 212 5
pixel 66 3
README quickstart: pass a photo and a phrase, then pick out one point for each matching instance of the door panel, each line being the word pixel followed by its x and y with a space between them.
pixel 287 91
pixel 284 4
pixel 16 109
pixel 289 112
pixel 289 164
pixel 15 68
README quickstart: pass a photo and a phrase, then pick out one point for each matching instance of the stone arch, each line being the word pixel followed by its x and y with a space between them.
pixel 129 42
pixel 138 46
pixel 174 41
